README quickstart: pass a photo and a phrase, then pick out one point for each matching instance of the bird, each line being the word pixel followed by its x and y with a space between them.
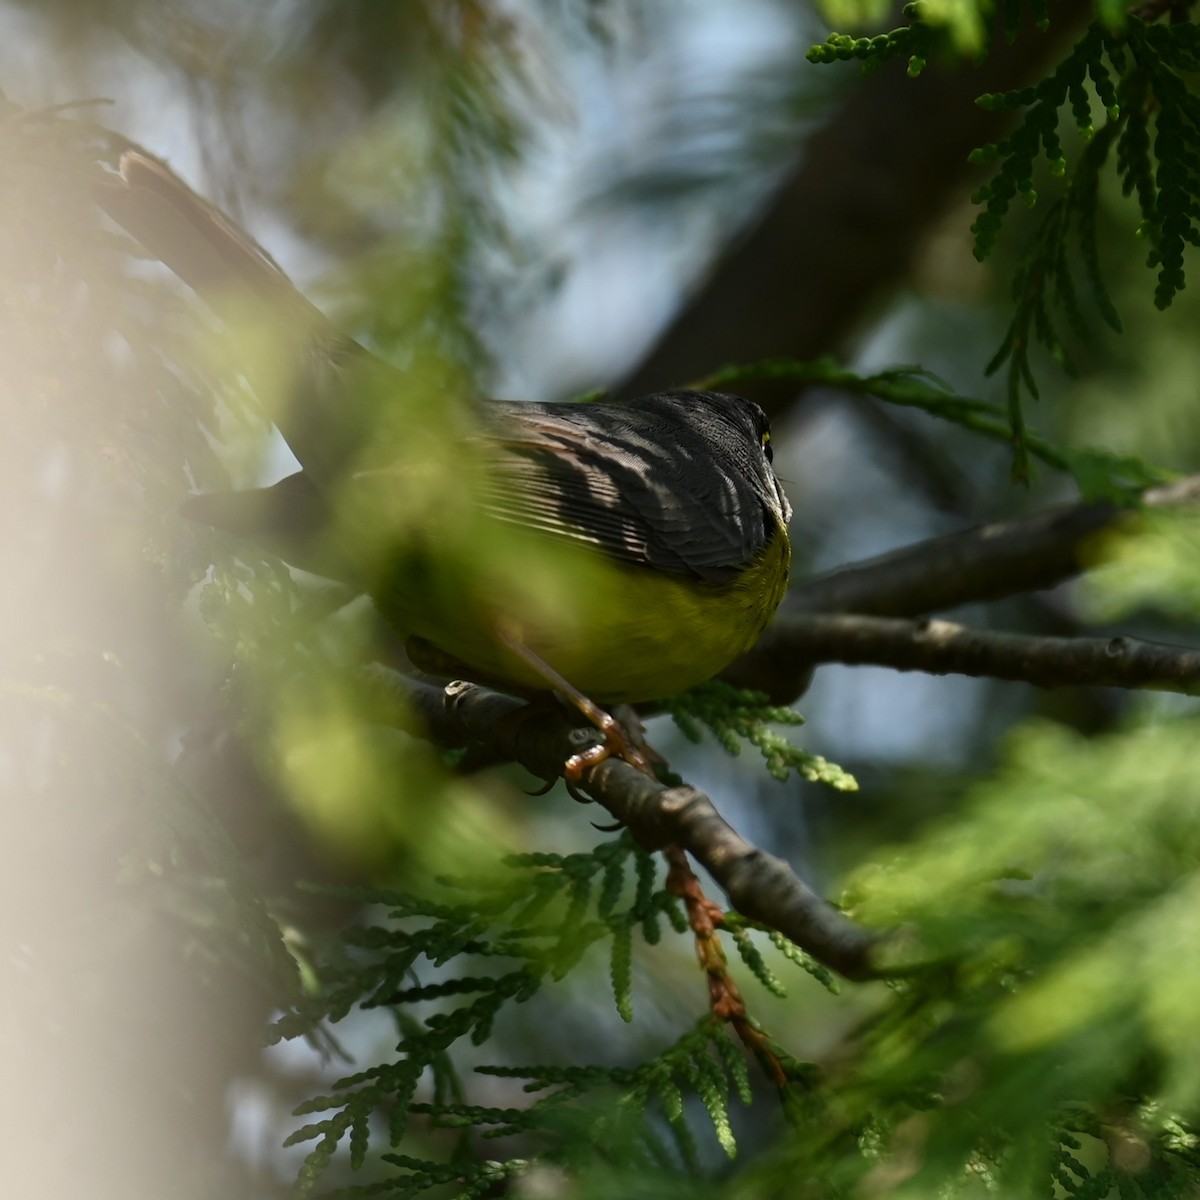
pixel 610 552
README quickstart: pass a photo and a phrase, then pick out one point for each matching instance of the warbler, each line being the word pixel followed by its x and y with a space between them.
pixel 667 507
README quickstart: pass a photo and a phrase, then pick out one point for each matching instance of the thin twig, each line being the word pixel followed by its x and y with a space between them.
pixel 724 997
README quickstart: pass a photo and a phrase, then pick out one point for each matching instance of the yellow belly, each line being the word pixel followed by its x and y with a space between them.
pixel 618 633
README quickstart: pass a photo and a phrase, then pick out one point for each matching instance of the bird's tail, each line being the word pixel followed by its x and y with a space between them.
pixel 315 366
pixel 211 254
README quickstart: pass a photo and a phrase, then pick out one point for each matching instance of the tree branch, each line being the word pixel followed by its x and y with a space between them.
pixel 759 885
pixel 844 228
pixel 985 563
pixel 944 648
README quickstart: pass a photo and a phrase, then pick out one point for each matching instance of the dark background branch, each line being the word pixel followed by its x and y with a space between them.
pixel 945 648
pixel 985 563
pixel 843 229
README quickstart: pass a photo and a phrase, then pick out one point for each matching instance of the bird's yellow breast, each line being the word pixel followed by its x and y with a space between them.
pixel 620 634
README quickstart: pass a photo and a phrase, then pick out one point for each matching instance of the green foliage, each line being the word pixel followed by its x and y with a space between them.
pixel 734 716
pixel 482 949
pixel 457 93
pixel 1050 916
pixel 1099 474
pixel 703 1062
pixel 739 925
pixel 1138 75
pixel 1151 119
pixel 933 26
pixel 1149 566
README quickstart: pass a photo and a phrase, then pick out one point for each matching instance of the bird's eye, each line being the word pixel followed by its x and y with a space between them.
pixel 766 445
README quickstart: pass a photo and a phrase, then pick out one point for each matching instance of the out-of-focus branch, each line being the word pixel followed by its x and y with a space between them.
pixel 987 562
pixel 758 885
pixel 844 226
pixel 944 648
